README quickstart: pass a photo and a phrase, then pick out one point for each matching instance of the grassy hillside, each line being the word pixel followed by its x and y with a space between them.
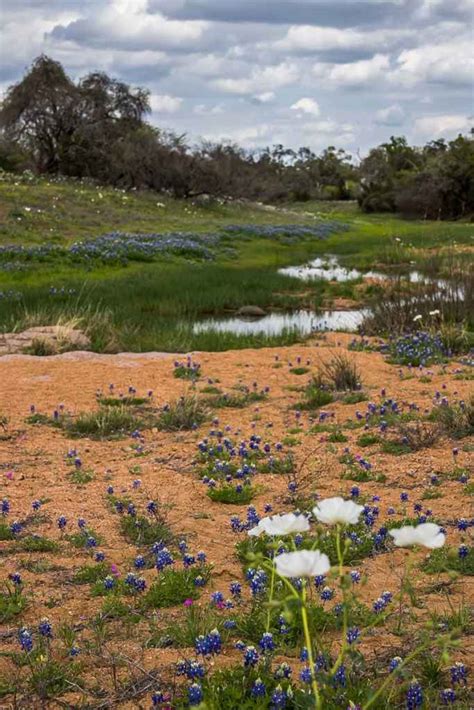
pixel 149 300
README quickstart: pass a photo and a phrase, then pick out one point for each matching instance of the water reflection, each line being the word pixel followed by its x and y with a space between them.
pixel 305 322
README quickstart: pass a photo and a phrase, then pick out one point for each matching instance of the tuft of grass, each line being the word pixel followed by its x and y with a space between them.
pixel 81 476
pixel 186 413
pixel 174 586
pixel 316 396
pixel 342 373
pixel 12 602
pixel 236 401
pixel 36 543
pixel 106 423
pixel 354 398
pixel 123 401
pixel 88 574
pixel 231 495
pixel 368 440
pixel 337 437
pixel 447 559
pixel 299 370
pixel 142 531
pixel 456 420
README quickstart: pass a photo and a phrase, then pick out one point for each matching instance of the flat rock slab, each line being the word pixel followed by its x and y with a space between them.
pixel 59 337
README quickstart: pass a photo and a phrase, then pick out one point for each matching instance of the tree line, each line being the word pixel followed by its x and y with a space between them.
pixel 96 128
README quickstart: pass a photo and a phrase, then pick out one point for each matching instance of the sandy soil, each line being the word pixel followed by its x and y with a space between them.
pixel 33 466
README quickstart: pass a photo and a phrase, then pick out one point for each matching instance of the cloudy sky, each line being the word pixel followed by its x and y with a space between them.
pixel 300 72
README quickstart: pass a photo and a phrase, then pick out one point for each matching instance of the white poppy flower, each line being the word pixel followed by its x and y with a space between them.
pixel 303 563
pixel 427 534
pixel 285 524
pixel 337 510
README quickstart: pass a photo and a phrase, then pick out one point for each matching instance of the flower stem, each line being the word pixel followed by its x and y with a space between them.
pixel 344 645
pixel 309 646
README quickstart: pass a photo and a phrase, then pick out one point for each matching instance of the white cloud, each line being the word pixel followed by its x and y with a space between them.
pixel 203 110
pixel 393 115
pixel 265 98
pixel 450 62
pixel 127 24
pixel 447 125
pixel 164 103
pixel 307 105
pixel 353 74
pixel 310 38
pixel 260 79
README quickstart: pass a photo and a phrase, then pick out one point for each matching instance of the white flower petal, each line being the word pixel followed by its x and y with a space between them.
pixel 337 510
pixel 302 563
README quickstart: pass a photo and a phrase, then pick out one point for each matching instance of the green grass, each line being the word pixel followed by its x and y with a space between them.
pixel 12 602
pixel 88 574
pixel 174 586
pixel 152 306
pixel 228 494
pixel 36 543
pixel 107 422
pixel 448 560
pixel 236 401
pixel 185 413
pixel 144 531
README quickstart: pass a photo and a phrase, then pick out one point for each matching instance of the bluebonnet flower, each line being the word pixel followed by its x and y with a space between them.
pixel 99 556
pixel 15 578
pixel 340 676
pixel 163 559
pixel 236 589
pixel 304 655
pixel 414 696
pixel 25 638
pixel 267 643
pixel 209 644
pixel 45 629
pixel 109 582
pixel 201 557
pixel 447 696
pixel 353 635
pixel 5 507
pixel 394 663
pixel 327 594
pixel 463 551
pixel 157 698
pixel 15 527
pixel 36 505
pixel 283 670
pixel 62 522
pixel 404 497
pixel 251 657
pixel 258 689
pixel 355 576
pixel 279 698
pixel 458 673
pixel 195 694
pixel 305 675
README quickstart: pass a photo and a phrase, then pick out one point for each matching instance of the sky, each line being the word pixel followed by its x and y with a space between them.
pixel 348 73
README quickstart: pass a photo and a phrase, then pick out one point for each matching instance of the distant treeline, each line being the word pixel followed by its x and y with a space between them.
pixel 95 128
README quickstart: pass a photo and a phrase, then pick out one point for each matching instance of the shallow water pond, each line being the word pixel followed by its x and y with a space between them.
pixel 305 322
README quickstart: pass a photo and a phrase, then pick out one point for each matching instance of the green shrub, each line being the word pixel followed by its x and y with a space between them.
pixel 183 414
pixel 342 373
pixel 456 420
